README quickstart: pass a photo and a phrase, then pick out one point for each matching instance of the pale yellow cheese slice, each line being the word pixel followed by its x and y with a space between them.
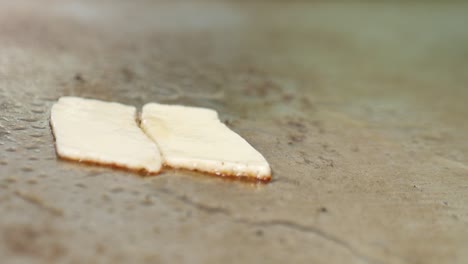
pixel 195 139
pixel 103 133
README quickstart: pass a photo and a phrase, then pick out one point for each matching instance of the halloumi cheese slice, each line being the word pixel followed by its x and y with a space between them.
pixel 194 138
pixel 103 133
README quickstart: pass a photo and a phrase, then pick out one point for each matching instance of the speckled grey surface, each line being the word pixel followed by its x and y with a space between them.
pixel 361 110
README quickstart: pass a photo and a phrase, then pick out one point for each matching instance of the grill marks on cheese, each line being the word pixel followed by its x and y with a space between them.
pixel 195 139
pixel 103 133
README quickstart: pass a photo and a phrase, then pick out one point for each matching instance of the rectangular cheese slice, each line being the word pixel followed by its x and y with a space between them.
pixel 104 133
pixel 195 139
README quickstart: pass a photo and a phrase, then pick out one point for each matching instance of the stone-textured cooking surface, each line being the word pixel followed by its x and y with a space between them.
pixel 361 110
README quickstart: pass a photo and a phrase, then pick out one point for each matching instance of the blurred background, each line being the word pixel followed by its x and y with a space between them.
pixel 360 108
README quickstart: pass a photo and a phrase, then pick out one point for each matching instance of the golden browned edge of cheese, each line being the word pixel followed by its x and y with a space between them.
pixel 226 175
pixel 142 171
